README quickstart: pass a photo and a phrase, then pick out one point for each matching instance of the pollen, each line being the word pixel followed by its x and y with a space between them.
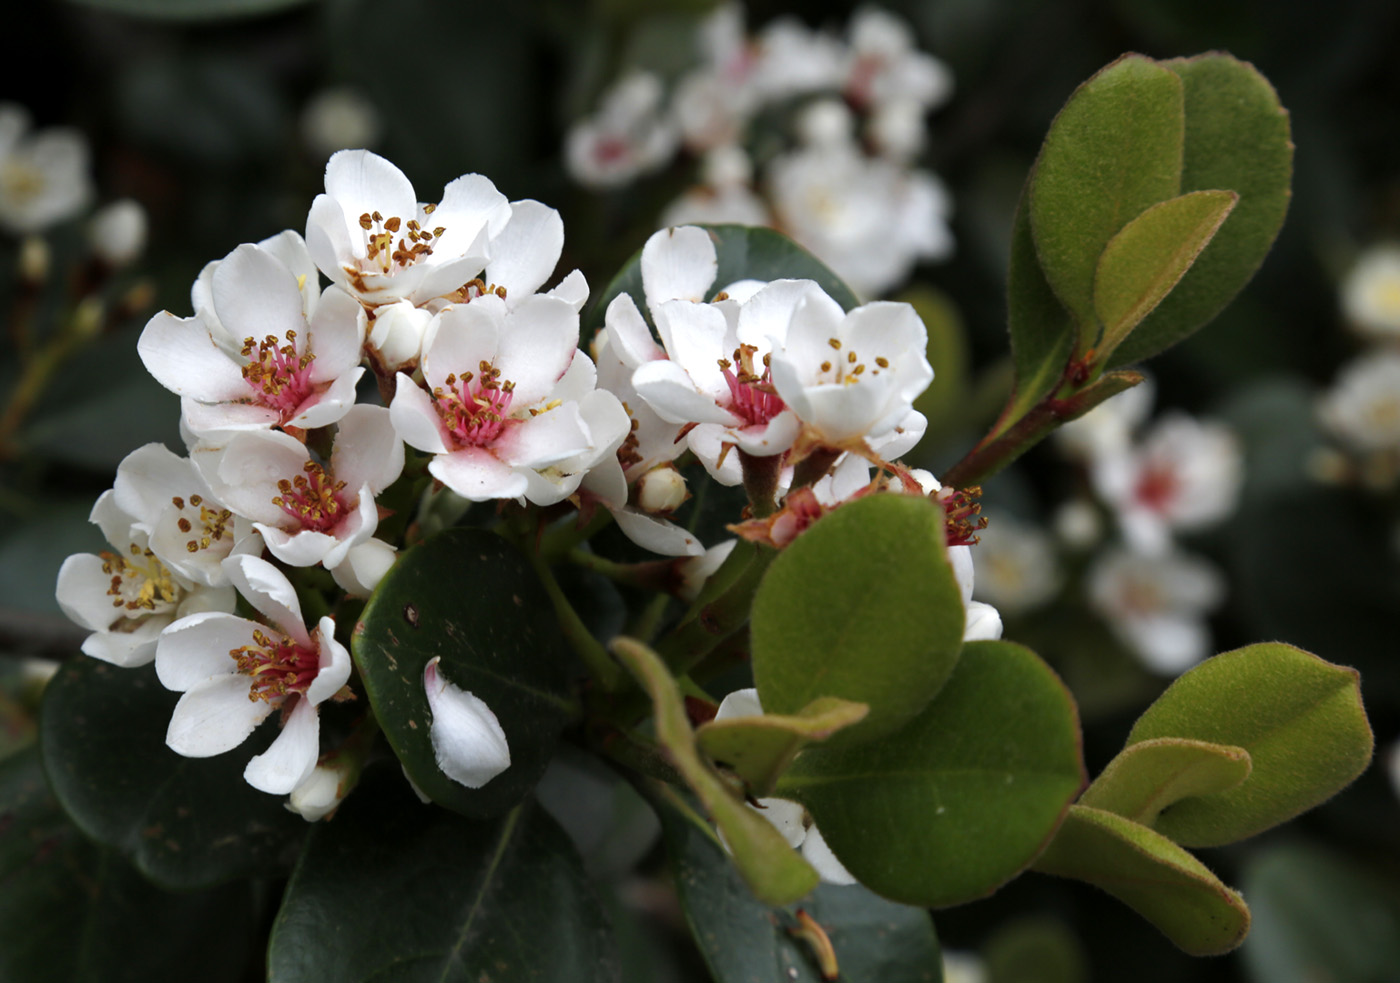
pixel 475 408
pixel 313 498
pixel 278 666
pixel 278 374
pixel 140 583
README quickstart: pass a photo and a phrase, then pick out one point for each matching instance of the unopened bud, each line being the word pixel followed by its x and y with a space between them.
pixel 118 232
pixel 827 123
pixel 1078 525
pixel 34 259
pixel 337 119
pixel 89 317
pixel 397 333
pixel 661 490
pixel 318 795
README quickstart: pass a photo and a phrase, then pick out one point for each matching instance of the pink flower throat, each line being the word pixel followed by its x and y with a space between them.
pixel 474 408
pixel 279 377
pixel 313 498
pixel 752 396
pixel 278 666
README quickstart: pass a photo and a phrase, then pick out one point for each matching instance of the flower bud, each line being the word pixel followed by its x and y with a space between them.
pixel 397 333
pixel 339 119
pixel 661 490
pixel 117 232
pixel 34 259
pixel 319 794
pixel 824 124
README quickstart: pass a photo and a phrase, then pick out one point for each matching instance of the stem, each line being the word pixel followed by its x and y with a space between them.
pixel 570 535
pixel 641 756
pixel 761 476
pixel 991 456
pixel 654 575
pixel 601 666
pixel 644 626
pixel 30 387
pixel 813 467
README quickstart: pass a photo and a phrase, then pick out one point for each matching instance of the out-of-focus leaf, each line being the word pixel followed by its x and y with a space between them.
pixel 393 889
pixel 611 825
pixel 468 597
pixel 1299 718
pixel 184 822
pixel 1148 777
pixel 862 606
pixel 1152 875
pixel 31 554
pixel 1043 949
pixel 758 749
pixel 964 797
pixel 191 9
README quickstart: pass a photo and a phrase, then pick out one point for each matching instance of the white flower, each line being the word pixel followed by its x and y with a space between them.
pixel 43 178
pixel 1185 475
pixel 339 118
pixel 364 566
pixel 885 65
pixel 791 59
pixel 788 817
pixel 468 741
pixel 627 137
pixel 127 597
pixel 118 232
pixel 492 413
pixel 1016 564
pixel 1156 605
pixel 234 672
pixel 713 103
pixel 309 512
pixel 261 360
pixel 1363 406
pixel 724 196
pixel 1371 292
pixel 1108 428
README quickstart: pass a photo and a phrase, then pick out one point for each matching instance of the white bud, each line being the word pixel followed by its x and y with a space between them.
pixel 397 332
pixel 318 794
pixel 34 259
pixel 825 124
pixel 339 119
pixel 118 232
pixel 726 166
pixel 1078 525
pixel 661 490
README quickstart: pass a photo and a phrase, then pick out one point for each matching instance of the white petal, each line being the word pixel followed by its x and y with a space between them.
pixel 673 396
pixel 364 566
pixel 82 593
pixel 786 817
pixel 148 477
pixel 545 439
pixel 678 264
pixel 362 182
pixel 628 332
pixel 740 703
pixel 127 649
pixel 414 417
pixel 334 668
pixel 325 408
pixel 526 251
pixel 819 855
pixel 255 295
pixel 367 449
pixel 291 757
pixel 982 623
pixel 215 716
pixel 196 649
pixel 205 420
pixel 317 795
pixel 270 593
pixel 536 347
pixel 182 356
pixel 573 289
pixel 657 535
pixel 467 738
pixel 476 475
pixel 961 559
pixel 335 335
pixel 299 547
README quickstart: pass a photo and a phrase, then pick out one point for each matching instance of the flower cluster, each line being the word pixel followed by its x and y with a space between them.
pixel 844 185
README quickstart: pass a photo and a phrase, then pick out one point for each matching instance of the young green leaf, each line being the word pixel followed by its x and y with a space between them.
pixel 184 822
pixel 1150 874
pixel 1237 138
pixel 1299 718
pixel 862 606
pixel 963 798
pixel 1149 256
pixel 759 749
pixel 470 598
pixel 394 889
pixel 1113 151
pixel 773 870
pixel 1146 778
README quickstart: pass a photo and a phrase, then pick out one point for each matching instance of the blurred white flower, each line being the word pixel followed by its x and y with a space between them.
pixel 1017 568
pixel 628 136
pixel 1363 406
pixel 885 64
pixel 339 118
pixel 1371 292
pixel 44 178
pixel 1156 605
pixel 1108 428
pixel 117 232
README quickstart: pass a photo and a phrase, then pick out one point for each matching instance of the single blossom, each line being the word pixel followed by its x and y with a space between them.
pixel 1017 569
pixel 44 177
pixel 885 64
pixel 468 742
pixel 1156 605
pixel 1363 406
pixel 628 136
pixel 234 672
pixel 1371 292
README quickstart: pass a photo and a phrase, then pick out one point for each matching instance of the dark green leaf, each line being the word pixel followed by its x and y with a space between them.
pixel 395 890
pixel 72 911
pixel 862 606
pixel 1148 777
pixel 963 798
pixel 1300 719
pixel 469 597
pixel 1042 949
pixel 1150 874
pixel 1149 256
pixel 745 941
pixel 760 748
pixel 184 822
pixel 1113 151
pixel 31 555
pixel 190 9
pixel 1237 138
pixel 744 253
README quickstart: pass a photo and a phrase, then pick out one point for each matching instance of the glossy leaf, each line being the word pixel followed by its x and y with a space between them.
pixel 1146 778
pixel 1150 874
pixel 392 889
pixel 758 749
pixel 773 870
pixel 184 822
pixel 1149 256
pixel 744 940
pixel 862 606
pixel 963 798
pixel 1113 151
pixel 744 253
pixel 1237 138
pixel 1319 916
pixel 469 597
pixel 70 910
pixel 1299 718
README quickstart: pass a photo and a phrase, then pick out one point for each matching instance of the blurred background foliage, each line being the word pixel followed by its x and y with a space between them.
pixel 195 108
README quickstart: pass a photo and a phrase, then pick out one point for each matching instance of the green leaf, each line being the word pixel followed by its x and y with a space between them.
pixel 862 606
pixel 1043 334
pixel 963 798
pixel 1149 256
pixel 190 9
pixel 744 253
pixel 759 749
pixel 1146 778
pixel 1113 151
pixel 744 941
pixel 184 822
pixel 392 889
pixel 1039 948
pixel 1150 874
pixel 469 597
pixel 1237 138
pixel 70 910
pixel 773 870
pixel 1299 718
pixel 1318 916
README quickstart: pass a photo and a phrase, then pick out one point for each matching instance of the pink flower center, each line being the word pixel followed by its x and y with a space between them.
pixel 474 408
pixel 1157 486
pixel 277 665
pixel 313 499
pixel 751 394
pixel 279 377
pixel 416 242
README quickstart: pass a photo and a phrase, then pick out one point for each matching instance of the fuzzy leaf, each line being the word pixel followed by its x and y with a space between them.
pixel 759 749
pixel 1150 874
pixel 1146 778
